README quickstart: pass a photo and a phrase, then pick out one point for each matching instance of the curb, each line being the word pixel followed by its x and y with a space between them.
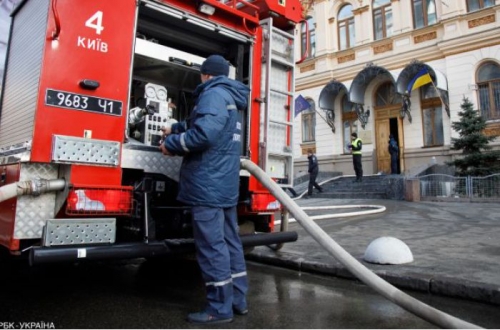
pixel 439 285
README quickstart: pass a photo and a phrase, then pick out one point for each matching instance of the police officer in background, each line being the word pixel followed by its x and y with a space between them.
pixel 210 141
pixel 356 147
pixel 313 172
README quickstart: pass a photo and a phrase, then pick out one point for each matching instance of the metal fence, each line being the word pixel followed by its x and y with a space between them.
pixel 447 186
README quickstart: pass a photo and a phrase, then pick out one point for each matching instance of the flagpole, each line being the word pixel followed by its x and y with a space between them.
pixel 326 121
pixel 439 95
pixel 321 116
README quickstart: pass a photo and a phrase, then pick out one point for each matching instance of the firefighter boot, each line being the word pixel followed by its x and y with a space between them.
pixel 240 311
pixel 206 318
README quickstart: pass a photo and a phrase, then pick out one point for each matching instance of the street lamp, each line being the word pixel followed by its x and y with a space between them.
pixel 362 114
pixel 406 107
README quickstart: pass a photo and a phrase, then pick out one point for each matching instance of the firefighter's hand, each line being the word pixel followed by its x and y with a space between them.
pixel 165 151
pixel 166 130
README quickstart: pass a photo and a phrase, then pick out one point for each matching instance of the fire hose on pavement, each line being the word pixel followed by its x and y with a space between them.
pixel 387 290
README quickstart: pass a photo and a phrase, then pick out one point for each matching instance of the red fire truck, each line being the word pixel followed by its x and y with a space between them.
pixel 87 86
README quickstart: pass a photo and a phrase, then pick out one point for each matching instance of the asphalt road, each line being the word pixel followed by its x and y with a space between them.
pixel 140 294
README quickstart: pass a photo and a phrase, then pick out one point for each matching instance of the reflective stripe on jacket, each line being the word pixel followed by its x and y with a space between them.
pixel 357 145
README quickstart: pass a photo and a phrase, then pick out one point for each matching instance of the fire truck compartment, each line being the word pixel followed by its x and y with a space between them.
pixel 166 66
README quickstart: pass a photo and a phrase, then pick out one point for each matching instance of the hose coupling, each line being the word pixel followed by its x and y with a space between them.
pixel 38 186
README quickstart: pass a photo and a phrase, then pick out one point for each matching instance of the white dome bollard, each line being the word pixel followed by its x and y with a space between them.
pixel 388 251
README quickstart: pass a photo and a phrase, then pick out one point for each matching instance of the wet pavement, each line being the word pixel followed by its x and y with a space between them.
pixel 455 246
pixel 456 249
pixel 143 294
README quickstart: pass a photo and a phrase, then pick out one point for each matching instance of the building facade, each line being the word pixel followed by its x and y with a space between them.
pixel 360 60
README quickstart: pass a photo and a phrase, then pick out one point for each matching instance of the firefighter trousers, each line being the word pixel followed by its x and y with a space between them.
pixel 221 259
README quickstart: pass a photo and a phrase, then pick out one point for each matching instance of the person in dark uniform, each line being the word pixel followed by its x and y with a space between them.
pixel 356 147
pixel 394 152
pixel 210 141
pixel 313 172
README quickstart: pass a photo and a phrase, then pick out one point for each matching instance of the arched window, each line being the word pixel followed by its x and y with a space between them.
pixel 488 86
pixel 473 5
pixel 432 116
pixel 308 45
pixel 309 122
pixel 386 95
pixel 424 13
pixel 347 37
pixel 382 19
pixel 349 121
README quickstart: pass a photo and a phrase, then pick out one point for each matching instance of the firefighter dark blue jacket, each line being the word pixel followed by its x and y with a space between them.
pixel 210 141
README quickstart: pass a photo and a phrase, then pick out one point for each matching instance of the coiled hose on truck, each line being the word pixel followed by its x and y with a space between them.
pixel 368 277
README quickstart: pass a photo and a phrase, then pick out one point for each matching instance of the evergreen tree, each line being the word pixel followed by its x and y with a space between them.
pixel 477 158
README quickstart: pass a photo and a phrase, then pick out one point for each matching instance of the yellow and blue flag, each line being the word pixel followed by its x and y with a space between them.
pixel 421 78
pixel 301 104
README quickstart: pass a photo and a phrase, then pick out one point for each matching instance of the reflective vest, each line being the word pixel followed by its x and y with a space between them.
pixel 355 144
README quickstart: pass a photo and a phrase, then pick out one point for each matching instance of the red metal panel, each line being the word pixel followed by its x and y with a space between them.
pixel 95 42
pixel 10 174
pixel 291 10
pixel 282 11
pixel 254 184
pixel 225 15
pixel 102 176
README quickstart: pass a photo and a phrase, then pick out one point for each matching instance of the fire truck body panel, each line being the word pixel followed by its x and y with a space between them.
pixel 87 88
pixel 21 82
pixel 97 47
pixel 10 174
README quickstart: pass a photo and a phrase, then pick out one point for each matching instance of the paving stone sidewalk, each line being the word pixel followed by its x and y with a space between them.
pixel 456 246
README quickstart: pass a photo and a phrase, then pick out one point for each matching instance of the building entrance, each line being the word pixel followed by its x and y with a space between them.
pixel 387 121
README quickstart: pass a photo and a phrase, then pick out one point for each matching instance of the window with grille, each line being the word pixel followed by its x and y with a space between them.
pixel 432 116
pixel 386 95
pixel 488 87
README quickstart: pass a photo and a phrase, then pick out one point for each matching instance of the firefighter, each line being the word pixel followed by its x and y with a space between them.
pixel 210 141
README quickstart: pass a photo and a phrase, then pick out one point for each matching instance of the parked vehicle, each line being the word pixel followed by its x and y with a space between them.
pixel 88 85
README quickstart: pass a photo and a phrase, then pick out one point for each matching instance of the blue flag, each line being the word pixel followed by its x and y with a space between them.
pixel 301 104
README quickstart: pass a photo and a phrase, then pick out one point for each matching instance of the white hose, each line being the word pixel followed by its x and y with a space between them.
pixel 33 187
pixel 8 191
pixel 373 209
pixel 387 290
